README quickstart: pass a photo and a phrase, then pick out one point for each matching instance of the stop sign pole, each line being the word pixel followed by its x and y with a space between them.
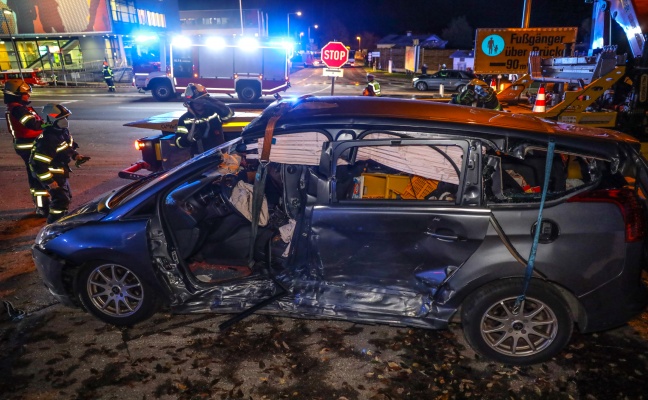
pixel 334 56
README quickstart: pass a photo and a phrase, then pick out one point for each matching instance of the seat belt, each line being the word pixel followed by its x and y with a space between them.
pixel 259 183
pixel 536 237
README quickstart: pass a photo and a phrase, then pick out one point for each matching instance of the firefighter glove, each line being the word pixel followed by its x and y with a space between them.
pixel 81 160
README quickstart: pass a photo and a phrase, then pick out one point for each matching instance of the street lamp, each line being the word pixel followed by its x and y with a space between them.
pixel 241 9
pixel 309 39
pixel 359 48
pixel 298 13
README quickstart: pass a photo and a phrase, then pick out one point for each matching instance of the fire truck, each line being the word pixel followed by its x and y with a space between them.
pixel 248 68
pixel 603 88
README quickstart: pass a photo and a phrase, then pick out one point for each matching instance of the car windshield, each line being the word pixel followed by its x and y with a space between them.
pixel 133 189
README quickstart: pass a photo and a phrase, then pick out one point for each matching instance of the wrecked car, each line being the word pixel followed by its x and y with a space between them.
pixel 376 210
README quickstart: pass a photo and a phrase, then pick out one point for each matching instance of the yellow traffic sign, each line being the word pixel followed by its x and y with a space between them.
pixel 507 50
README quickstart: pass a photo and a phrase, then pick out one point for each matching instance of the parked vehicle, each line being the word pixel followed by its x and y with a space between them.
pixel 249 70
pixel 375 210
pixel 312 59
pixel 351 60
pixel 32 76
pixel 451 79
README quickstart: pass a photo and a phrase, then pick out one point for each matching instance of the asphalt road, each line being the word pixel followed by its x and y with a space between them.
pixel 60 353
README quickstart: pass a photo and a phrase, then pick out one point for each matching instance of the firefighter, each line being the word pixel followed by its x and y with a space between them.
pixel 201 127
pixel 478 94
pixel 108 77
pixel 25 126
pixel 50 156
pixel 372 88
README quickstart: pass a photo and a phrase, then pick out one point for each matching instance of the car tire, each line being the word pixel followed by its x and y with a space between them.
pixel 422 86
pixel 116 294
pixel 492 329
pixel 460 88
pixel 162 92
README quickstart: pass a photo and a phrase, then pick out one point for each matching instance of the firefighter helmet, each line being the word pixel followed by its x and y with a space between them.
pixel 195 91
pixel 16 88
pixel 478 82
pixel 55 112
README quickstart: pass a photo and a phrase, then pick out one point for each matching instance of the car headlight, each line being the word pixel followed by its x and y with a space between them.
pixel 52 231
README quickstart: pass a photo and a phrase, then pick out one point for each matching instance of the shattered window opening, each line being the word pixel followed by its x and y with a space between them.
pixel 401 172
pixel 510 179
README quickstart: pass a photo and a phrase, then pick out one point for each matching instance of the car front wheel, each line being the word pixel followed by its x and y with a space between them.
pixel 422 86
pixel 539 328
pixel 116 294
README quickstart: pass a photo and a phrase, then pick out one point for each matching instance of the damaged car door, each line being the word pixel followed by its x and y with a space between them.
pixel 398 224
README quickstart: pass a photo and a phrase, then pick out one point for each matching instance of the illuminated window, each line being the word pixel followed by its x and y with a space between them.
pixel 123 11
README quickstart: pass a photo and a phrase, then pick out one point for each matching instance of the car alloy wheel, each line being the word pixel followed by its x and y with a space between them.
pixel 115 290
pixel 517 331
pixel 533 331
pixel 422 86
pixel 116 294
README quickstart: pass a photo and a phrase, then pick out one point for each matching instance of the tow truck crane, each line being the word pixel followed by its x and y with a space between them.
pixel 602 89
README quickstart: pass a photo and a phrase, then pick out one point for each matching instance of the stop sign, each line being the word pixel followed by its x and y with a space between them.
pixel 334 54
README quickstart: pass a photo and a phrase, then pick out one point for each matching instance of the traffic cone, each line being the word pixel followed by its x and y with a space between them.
pixel 493 84
pixel 540 103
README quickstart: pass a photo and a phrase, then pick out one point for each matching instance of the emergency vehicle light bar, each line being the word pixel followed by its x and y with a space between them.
pixel 215 42
pixel 181 41
pixel 248 43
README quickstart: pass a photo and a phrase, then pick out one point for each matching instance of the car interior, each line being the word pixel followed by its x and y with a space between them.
pixel 210 215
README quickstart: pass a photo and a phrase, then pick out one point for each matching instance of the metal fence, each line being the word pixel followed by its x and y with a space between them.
pixel 90 75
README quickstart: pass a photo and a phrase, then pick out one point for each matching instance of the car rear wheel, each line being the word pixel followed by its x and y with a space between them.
pixel 116 294
pixel 422 86
pixel 534 332
pixel 460 88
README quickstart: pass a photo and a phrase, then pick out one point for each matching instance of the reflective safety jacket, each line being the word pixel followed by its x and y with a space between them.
pixel 24 124
pixel 201 127
pixel 52 152
pixel 374 87
pixel 107 72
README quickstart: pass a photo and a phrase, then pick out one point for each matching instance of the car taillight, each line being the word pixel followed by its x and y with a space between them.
pixel 628 203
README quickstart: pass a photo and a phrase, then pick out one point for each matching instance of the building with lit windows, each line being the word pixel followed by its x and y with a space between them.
pixel 60 36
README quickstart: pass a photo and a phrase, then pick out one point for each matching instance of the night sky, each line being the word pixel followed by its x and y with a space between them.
pixel 419 16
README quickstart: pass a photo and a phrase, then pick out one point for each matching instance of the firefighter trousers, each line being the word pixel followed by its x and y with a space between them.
pixel 111 84
pixel 60 199
pixel 36 188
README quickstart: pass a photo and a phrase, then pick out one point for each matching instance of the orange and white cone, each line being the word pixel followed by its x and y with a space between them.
pixel 540 103
pixel 493 85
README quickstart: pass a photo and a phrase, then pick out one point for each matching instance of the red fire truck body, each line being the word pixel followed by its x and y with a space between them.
pixel 249 70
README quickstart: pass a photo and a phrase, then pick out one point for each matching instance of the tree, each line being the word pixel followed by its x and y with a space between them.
pixel 369 41
pixel 459 34
pixel 336 30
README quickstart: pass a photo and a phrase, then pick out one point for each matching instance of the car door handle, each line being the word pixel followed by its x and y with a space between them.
pixel 444 237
